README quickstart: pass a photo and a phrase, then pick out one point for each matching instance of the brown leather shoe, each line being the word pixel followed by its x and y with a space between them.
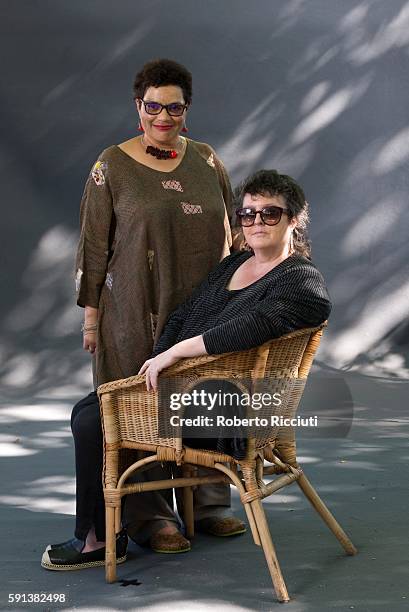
pixel 221 527
pixel 169 543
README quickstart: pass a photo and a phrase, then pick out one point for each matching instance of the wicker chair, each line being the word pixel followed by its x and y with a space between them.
pixel 130 421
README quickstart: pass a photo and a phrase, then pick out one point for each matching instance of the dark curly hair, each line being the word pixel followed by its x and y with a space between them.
pixel 160 72
pixel 271 183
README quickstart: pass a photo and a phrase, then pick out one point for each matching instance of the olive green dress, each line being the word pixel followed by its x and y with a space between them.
pixel 147 239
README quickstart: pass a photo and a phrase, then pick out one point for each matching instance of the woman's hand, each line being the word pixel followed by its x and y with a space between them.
pixel 153 367
pixel 89 341
pixel 193 347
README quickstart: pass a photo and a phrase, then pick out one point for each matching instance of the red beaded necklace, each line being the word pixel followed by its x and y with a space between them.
pixel 161 153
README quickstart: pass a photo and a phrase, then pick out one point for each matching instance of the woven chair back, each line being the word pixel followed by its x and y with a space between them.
pixel 130 413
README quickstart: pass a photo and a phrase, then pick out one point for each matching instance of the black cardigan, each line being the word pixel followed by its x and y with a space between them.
pixel 291 296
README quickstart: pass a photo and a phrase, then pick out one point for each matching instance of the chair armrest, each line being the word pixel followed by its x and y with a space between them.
pixel 184 365
pixel 181 366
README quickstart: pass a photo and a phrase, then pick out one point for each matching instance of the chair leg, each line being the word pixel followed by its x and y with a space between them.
pixel 118 519
pixel 188 513
pixel 317 503
pixel 110 545
pixel 234 477
pixel 269 551
pixel 252 523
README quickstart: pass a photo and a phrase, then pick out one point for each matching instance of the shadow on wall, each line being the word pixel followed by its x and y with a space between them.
pixel 42 342
pixel 326 124
pixel 325 101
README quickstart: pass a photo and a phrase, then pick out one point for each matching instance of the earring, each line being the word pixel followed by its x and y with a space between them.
pixel 291 243
pixel 140 127
pixel 184 128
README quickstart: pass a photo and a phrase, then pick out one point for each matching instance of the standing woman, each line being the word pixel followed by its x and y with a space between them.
pixel 153 224
pixel 154 221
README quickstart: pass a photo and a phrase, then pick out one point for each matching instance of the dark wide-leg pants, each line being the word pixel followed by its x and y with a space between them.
pixel 146 512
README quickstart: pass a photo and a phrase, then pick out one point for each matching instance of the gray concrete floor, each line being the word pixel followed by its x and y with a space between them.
pixel 362 474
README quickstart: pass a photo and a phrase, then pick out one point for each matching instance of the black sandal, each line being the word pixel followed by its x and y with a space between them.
pixel 68 555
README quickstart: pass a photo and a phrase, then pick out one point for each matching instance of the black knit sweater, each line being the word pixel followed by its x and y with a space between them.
pixel 291 296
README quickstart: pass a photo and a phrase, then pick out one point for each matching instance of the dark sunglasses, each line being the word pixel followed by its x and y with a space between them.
pixel 174 109
pixel 271 215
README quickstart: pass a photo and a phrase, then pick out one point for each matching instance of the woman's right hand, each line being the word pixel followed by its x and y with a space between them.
pixel 90 341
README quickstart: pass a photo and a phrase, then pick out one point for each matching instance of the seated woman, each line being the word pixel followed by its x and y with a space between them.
pixel 252 296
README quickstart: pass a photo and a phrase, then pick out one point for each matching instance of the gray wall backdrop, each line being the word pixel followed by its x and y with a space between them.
pixel 316 88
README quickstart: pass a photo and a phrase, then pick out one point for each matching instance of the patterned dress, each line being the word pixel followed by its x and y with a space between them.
pixel 147 239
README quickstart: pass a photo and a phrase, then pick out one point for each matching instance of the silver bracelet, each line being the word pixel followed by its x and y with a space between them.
pixel 89 328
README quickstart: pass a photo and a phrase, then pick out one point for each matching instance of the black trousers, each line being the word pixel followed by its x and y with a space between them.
pixel 90 505
pixel 87 432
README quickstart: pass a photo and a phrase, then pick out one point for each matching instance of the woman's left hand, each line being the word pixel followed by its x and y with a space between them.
pixel 153 367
